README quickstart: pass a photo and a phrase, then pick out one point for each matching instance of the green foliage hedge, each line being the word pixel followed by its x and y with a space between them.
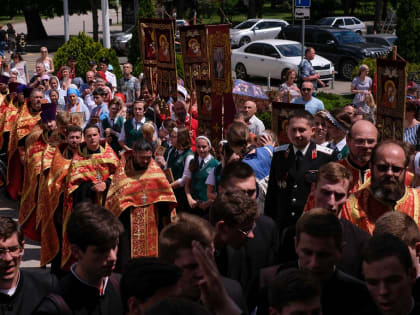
pixel 332 100
pixel 84 48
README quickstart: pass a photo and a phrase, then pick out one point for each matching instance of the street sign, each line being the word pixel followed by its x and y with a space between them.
pixel 303 3
pixel 302 13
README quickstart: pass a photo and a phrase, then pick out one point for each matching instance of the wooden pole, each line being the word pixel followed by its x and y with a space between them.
pixel 394 52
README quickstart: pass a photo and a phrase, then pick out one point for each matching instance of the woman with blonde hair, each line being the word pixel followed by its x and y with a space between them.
pixel 289 90
pixel 361 86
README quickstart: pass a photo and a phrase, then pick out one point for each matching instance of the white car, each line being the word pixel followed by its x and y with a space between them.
pixel 255 29
pixel 349 22
pixel 275 57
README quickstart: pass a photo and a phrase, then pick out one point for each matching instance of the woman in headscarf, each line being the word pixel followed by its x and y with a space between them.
pixel 76 105
pixel 54 84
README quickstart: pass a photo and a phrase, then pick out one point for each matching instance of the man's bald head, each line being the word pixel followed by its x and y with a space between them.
pixel 361 140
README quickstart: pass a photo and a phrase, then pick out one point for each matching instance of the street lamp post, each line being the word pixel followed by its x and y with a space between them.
pixel 105 24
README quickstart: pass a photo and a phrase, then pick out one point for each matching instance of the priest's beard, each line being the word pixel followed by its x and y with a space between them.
pixel 389 190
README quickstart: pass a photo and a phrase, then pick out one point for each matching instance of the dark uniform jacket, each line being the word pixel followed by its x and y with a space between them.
pixel 289 187
pixel 32 288
pixel 84 299
pixel 340 294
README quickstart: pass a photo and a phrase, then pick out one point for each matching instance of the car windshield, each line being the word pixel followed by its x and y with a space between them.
pixel 245 25
pixel 292 50
pixel 349 37
pixel 325 21
pixel 392 40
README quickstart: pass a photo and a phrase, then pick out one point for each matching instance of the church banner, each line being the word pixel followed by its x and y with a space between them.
pixel 205 110
pixel 158 52
pixel 391 94
pixel 221 78
pixel 194 54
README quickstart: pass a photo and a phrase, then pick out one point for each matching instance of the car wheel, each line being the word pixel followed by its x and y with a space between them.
pixel 240 71
pixel 346 69
pixel 359 32
pixel 244 40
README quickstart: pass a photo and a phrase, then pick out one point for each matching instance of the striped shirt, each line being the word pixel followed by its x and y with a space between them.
pixel 410 134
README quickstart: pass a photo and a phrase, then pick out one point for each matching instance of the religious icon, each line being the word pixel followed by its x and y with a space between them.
pixel 389 97
pixel 149 43
pixel 77 118
pixel 206 106
pixel 219 62
pixel 164 54
pixel 194 49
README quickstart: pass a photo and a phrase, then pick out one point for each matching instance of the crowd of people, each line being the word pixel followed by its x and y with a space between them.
pixel 138 213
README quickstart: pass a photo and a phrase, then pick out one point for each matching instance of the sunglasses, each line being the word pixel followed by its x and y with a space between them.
pixel 386 167
pixel 306 89
pixel 249 192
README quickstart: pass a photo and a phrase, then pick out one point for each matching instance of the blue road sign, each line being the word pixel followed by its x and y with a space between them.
pixel 303 3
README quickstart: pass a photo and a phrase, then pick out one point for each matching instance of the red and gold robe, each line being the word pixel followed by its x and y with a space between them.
pixel 363 209
pixel 51 189
pixel 26 122
pixel 360 180
pixel 140 191
pixel 36 143
pixel 85 168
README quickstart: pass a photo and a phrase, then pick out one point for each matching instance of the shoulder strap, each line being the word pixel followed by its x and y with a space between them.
pixel 63 307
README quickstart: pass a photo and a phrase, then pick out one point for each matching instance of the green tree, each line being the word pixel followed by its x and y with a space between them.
pixel 408 29
pixel 146 10
pixel 84 48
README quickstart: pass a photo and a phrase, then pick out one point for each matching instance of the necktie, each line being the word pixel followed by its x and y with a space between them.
pixel 201 164
pixel 331 145
pixel 112 122
pixel 299 159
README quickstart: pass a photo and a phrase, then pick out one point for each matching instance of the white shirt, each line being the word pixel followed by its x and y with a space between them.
pixel 111 78
pixel 256 126
pixel 341 144
pixel 111 122
pixel 211 179
pixel 303 151
pixel 207 159
pixel 188 159
pixel 136 124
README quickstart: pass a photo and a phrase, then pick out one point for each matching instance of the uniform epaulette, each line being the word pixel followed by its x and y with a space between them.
pixel 323 149
pixel 283 147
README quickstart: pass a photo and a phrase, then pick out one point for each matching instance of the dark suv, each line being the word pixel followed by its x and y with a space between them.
pixel 343 47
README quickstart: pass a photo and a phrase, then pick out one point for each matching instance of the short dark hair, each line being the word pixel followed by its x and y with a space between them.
pixel 143 276
pixel 91 224
pixel 181 233
pixel 73 128
pixel 89 126
pixel 8 227
pixel 320 223
pixel 98 91
pixel 142 145
pixel 399 224
pixel 381 246
pixel 390 141
pixel 235 169
pixel 301 113
pixel 234 208
pixel 308 49
pixel 292 285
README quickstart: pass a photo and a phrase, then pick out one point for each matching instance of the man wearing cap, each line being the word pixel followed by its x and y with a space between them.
pixel 110 77
pixel 129 84
pixel 36 143
pixel 26 122
pixel 3 87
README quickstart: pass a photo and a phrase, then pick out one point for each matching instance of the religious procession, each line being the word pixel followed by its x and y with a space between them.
pixel 166 194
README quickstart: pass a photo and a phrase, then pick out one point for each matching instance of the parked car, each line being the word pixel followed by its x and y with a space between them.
pixel 387 40
pixel 275 56
pixel 119 40
pixel 343 47
pixel 255 29
pixel 349 22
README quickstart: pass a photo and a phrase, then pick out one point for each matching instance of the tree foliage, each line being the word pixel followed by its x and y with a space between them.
pixel 84 48
pixel 408 29
pixel 146 10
